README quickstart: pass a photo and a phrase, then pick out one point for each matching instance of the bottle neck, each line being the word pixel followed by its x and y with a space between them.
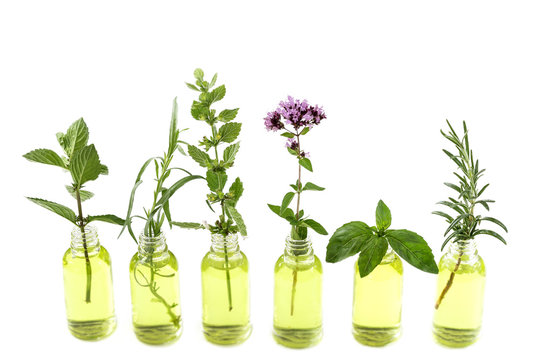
pixel 84 243
pixel 153 247
pixel 228 243
pixel 298 248
pixel 466 249
pixel 389 257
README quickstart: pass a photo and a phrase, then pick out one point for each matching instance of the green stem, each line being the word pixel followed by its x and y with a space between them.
pixel 85 246
pixel 299 185
pixel 153 289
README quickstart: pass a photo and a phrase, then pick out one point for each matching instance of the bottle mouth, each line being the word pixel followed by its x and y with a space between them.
pixel 84 242
pixel 295 247
pixel 152 246
pixel 221 243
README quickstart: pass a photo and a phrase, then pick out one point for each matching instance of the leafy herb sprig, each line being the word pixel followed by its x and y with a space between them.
pixel 154 216
pixel 372 243
pixel 229 220
pixel 464 224
pixel 82 162
pixel 301 118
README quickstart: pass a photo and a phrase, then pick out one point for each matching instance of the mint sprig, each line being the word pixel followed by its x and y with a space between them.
pixel 372 244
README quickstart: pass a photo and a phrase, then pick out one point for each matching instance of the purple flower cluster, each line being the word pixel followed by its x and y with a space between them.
pixel 294 112
pixel 293 145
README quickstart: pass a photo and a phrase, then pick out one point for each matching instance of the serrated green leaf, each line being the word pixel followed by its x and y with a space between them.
pixel 85 195
pixel 306 163
pixel 371 254
pixel 188 225
pixel 56 208
pixel 85 165
pixel 235 215
pixel 199 74
pixel 228 115
pixel 412 248
pixel 45 156
pixel 383 216
pixel 286 201
pixel 312 186
pixel 216 95
pixel 103 170
pixel 236 190
pixel 319 229
pixel 229 132
pixel 230 153
pixel 199 111
pixel 108 218
pixel 199 156
pixel 76 137
pixel 216 180
pixel 347 240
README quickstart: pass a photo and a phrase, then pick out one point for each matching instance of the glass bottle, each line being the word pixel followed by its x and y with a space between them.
pixel 88 286
pixel 225 292
pixel 460 295
pixel 298 295
pixel 377 302
pixel 155 292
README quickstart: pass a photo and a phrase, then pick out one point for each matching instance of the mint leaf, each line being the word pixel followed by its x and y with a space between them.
pixel 371 254
pixel 216 180
pixel 199 156
pixel 45 156
pixel 306 163
pixel 286 201
pixel 199 74
pixel 383 216
pixel 347 240
pixel 412 248
pixel 312 186
pixel 58 209
pixel 230 153
pixel 188 225
pixel 85 165
pixel 85 195
pixel 192 87
pixel 109 218
pixel 315 226
pixel 235 215
pixel 76 137
pixel 229 132
pixel 228 115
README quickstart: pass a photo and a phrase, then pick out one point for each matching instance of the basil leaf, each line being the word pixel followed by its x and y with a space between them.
pixel 347 240
pixel 383 216
pixel 412 248
pixel 371 254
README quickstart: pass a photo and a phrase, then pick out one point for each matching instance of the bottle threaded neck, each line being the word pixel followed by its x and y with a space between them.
pixel 220 243
pixel 152 247
pixel 296 247
pixel 84 241
pixel 466 249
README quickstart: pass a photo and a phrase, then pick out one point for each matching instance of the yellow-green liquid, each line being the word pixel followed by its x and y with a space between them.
pixel 155 298
pixel 298 317
pixel 92 320
pixel 377 303
pixel 225 320
pixel 458 319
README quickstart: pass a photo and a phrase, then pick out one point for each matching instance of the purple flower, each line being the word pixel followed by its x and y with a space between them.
pixel 292 144
pixel 297 113
pixel 273 121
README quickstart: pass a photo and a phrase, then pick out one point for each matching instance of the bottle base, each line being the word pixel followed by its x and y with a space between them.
pixel 455 338
pixel 297 338
pixel 92 330
pixel 227 335
pixel 157 334
pixel 372 336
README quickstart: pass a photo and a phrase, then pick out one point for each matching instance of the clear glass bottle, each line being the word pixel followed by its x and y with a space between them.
pixel 225 292
pixel 155 292
pixel 298 295
pixel 377 302
pixel 460 295
pixel 88 286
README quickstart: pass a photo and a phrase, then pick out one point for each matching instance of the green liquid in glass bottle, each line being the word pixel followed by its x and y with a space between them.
pixel 461 280
pixel 298 296
pixel 225 292
pixel 88 286
pixel 155 292
pixel 377 302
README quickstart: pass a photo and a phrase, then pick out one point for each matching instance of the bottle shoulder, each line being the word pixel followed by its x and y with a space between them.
pixel 167 259
pixel 302 263
pixel 466 265
pixel 101 255
pixel 217 260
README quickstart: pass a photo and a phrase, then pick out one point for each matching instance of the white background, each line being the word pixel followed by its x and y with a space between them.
pixel 388 75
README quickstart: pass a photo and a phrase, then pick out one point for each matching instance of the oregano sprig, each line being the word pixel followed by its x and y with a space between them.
pixel 224 132
pixel 464 224
pixel 372 243
pixel 82 162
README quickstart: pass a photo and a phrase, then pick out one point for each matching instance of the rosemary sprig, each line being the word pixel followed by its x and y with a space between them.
pixel 82 162
pixel 464 224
